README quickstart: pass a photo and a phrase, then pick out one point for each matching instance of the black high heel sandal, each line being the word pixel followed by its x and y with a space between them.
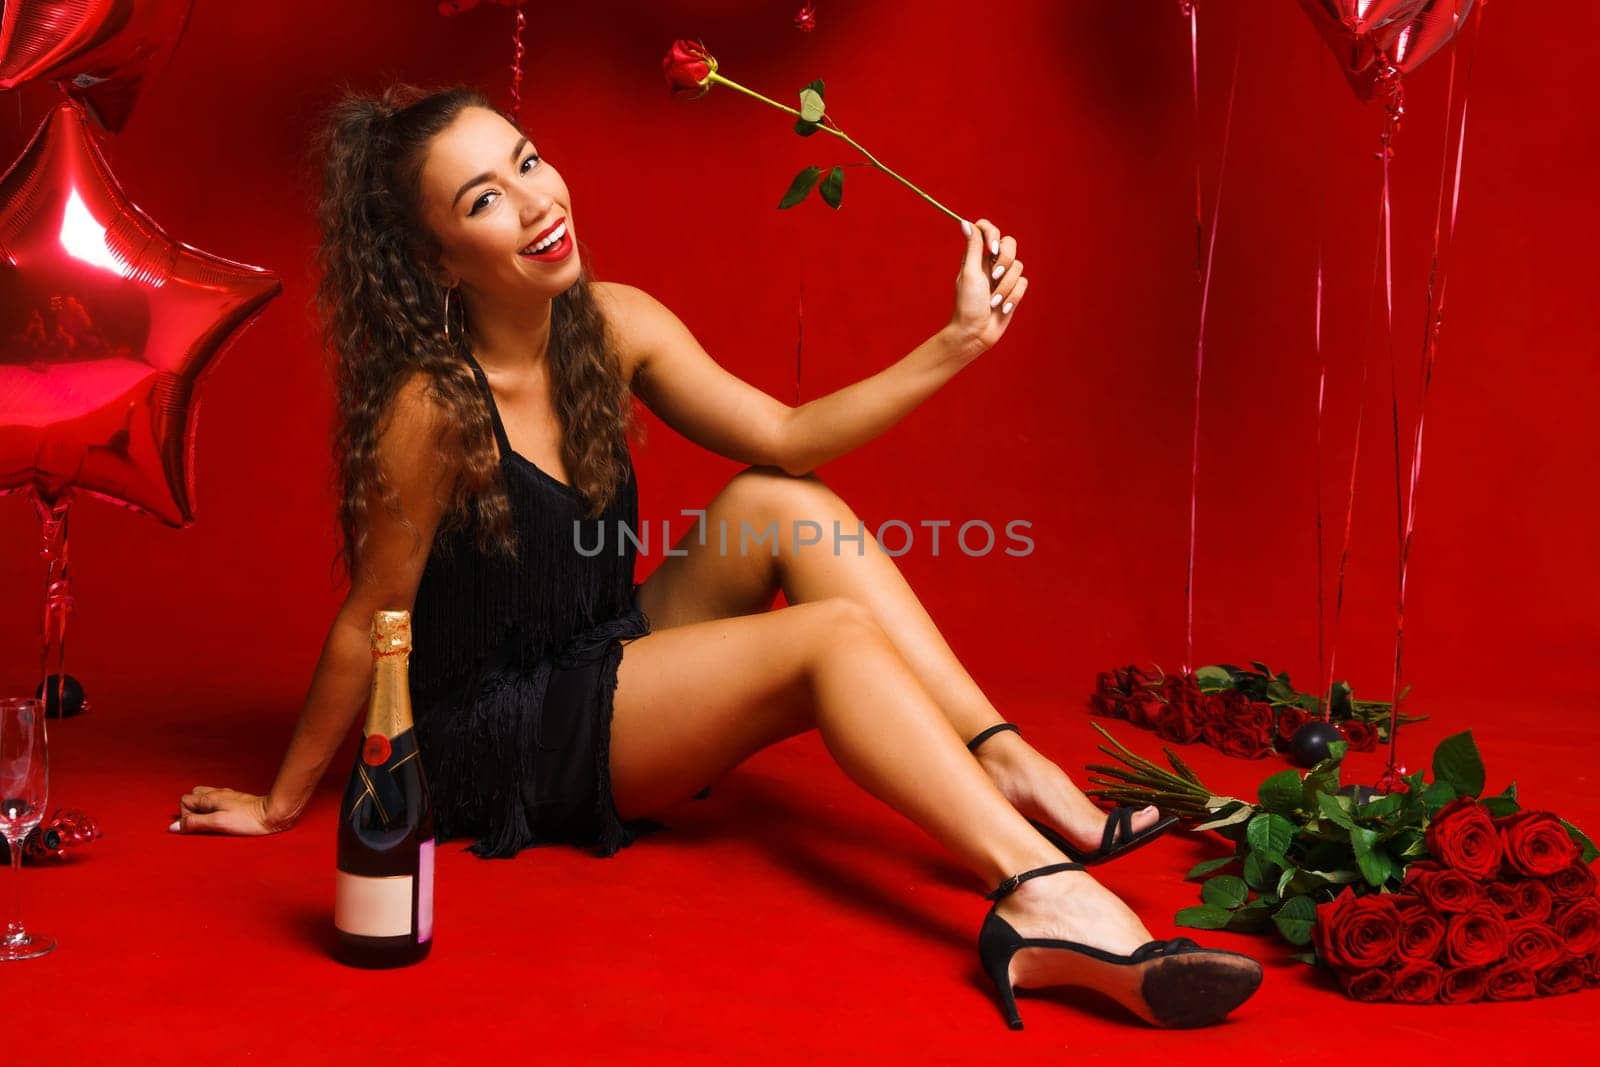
pixel 1174 983
pixel 1118 838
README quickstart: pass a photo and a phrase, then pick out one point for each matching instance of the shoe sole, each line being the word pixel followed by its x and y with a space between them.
pixel 1178 992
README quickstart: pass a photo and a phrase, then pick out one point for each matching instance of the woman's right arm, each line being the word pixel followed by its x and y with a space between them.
pixel 387 572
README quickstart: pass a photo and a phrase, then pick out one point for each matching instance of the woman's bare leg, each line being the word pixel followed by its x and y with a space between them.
pixel 693 701
pixel 705 584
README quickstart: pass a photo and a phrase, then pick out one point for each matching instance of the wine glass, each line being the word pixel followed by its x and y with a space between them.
pixel 24 783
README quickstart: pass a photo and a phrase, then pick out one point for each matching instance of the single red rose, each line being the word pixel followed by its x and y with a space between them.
pixel 1476 937
pixel 1359 735
pixel 1213 726
pixel 1232 702
pixel 1447 891
pixel 1534 945
pixel 1290 719
pixel 688 67
pixel 1131 679
pixel 1510 982
pixel 1241 741
pixel 1579 926
pixel 1369 985
pixel 1531 899
pixel 1503 897
pixel 1536 843
pixel 1463 985
pixel 1567 975
pixel 1462 835
pixel 1417 983
pixel 1421 930
pixel 1573 882
pixel 1357 933
pixel 1176 722
pixel 1181 689
pixel 1142 709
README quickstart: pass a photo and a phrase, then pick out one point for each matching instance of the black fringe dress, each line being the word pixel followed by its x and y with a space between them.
pixel 514 665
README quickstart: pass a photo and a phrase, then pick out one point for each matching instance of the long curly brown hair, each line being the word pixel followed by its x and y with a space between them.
pixel 381 308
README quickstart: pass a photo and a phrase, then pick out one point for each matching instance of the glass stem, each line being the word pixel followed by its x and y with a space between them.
pixel 15 934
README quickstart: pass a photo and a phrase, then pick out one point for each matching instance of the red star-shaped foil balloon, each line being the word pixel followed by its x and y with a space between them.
pixel 107 326
pixel 98 50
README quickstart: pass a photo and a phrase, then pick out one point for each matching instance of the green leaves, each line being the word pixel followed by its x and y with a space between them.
pixel 832 189
pixel 1281 793
pixel 800 187
pixel 1225 891
pixel 1295 919
pixel 1457 762
pixel 1213 678
pixel 811 109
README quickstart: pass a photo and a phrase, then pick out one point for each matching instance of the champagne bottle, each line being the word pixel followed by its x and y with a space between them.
pixel 383 899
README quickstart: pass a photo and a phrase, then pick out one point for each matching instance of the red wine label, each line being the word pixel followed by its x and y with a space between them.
pixel 375 751
pixel 425 892
pixel 373 907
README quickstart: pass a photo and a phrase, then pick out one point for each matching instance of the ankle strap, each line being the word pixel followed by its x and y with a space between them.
pixel 996 728
pixel 1005 888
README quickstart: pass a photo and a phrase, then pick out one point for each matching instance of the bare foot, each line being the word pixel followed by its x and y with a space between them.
pixel 1072 906
pixel 1040 790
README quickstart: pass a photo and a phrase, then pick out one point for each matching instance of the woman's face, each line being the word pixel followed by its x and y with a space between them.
pixel 489 197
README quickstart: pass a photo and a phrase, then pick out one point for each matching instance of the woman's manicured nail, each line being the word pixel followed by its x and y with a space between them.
pixel 966 228
pixel 1007 309
pixel 994 247
pixel 998 270
pixel 994 300
pixel 174 828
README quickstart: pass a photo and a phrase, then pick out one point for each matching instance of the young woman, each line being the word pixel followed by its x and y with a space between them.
pixel 485 400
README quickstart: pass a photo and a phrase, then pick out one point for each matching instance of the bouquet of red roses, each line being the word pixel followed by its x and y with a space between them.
pixel 1246 713
pixel 1505 909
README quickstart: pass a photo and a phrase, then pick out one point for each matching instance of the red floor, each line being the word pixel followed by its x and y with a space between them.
pixel 789 917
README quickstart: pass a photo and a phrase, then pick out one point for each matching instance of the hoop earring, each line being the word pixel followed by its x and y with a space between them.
pixel 448 339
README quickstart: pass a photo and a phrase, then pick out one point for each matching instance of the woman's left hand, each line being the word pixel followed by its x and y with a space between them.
pixel 989 286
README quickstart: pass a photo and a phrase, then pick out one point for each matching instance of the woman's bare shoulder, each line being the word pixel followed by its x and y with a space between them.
pixel 626 308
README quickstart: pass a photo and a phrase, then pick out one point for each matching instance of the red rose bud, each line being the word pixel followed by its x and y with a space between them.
pixel 688 68
pixel 1462 835
pixel 1573 882
pixel 1510 982
pixel 1421 931
pixel 1536 843
pixel 1568 975
pixel 1448 891
pixel 1476 937
pixel 1357 933
pixel 1463 985
pixel 1369 985
pixel 1417 983
pixel 1360 735
pixel 1534 945
pixel 1579 926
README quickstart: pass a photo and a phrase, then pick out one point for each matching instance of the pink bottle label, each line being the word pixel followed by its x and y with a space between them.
pixel 425 892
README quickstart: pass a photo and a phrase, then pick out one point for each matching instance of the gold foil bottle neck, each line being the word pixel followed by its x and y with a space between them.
pixel 391 632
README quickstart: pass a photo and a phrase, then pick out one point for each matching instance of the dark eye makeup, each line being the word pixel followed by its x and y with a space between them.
pixel 479 202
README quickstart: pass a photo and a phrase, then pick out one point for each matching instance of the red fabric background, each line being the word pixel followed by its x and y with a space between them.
pixel 1070 125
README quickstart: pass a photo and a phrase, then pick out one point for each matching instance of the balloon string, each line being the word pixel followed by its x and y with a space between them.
pixel 1355 465
pixel 1199 367
pixel 1324 705
pixel 1432 323
pixel 1191 9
